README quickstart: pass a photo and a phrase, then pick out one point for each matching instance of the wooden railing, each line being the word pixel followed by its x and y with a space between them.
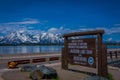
pixel 14 64
pixel 113 53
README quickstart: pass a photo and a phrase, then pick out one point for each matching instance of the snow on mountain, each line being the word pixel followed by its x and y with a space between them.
pixel 51 38
pixel 1 37
pixel 19 37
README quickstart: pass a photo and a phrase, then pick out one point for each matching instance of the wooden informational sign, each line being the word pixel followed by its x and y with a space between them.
pixel 82 52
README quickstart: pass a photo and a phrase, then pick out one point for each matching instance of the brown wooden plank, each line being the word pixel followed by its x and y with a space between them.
pixel 84 33
pixel 22 61
pixel 39 60
pixel 53 58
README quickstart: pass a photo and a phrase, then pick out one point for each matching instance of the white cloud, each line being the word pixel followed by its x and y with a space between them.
pixel 22 25
pixel 116 25
pixel 9 27
pixel 86 29
pixel 61 27
pixel 112 30
pixel 22 30
pixel 110 39
pixel 108 30
pixel 83 29
pixel 30 27
pixel 59 30
pixel 52 29
pixel 30 21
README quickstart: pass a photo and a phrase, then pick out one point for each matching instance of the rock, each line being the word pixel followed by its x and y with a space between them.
pixel 43 72
pixel 28 68
pixel 36 75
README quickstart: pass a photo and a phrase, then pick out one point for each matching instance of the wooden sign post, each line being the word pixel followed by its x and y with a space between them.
pixel 83 51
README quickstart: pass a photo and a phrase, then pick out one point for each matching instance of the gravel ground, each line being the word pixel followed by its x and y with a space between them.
pixel 15 75
pixel 62 74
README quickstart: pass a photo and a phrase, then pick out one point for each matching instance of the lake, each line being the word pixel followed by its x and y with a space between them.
pixel 33 49
pixel 28 49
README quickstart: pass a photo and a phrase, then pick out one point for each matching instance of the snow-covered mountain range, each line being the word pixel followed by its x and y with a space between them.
pixel 24 37
pixel 21 37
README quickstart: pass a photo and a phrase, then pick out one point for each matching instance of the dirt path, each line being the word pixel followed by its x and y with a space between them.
pixel 62 74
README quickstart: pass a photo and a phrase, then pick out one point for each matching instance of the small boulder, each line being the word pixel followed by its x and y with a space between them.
pixel 43 72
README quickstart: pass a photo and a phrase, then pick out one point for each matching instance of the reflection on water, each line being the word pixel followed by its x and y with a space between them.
pixel 28 49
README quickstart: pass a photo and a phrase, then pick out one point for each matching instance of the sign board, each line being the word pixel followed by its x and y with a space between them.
pixel 82 52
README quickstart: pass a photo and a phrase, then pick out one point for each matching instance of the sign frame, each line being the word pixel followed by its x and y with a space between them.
pixel 101 51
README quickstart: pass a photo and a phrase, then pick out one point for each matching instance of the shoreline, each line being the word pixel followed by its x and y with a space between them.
pixel 32 45
pixel 74 71
pixel 5 58
pixel 26 54
pixel 47 57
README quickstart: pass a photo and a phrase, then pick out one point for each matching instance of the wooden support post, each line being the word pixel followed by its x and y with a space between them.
pixel 100 54
pixel 66 52
pixel 65 55
pixel 116 54
pixel 104 61
pixel 63 59
pixel 111 55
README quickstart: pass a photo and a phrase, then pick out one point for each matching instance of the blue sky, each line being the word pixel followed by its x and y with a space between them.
pixel 61 15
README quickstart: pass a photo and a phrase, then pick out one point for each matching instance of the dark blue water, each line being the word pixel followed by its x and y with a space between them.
pixel 28 49
pixel 33 49
pixel 113 47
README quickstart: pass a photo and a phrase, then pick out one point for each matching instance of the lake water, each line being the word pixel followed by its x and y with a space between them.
pixel 28 49
pixel 33 49
pixel 113 47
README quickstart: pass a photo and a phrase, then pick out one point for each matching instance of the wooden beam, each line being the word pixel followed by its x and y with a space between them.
pixel 95 32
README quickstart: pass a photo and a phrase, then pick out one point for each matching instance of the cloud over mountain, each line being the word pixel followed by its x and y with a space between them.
pixel 35 27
